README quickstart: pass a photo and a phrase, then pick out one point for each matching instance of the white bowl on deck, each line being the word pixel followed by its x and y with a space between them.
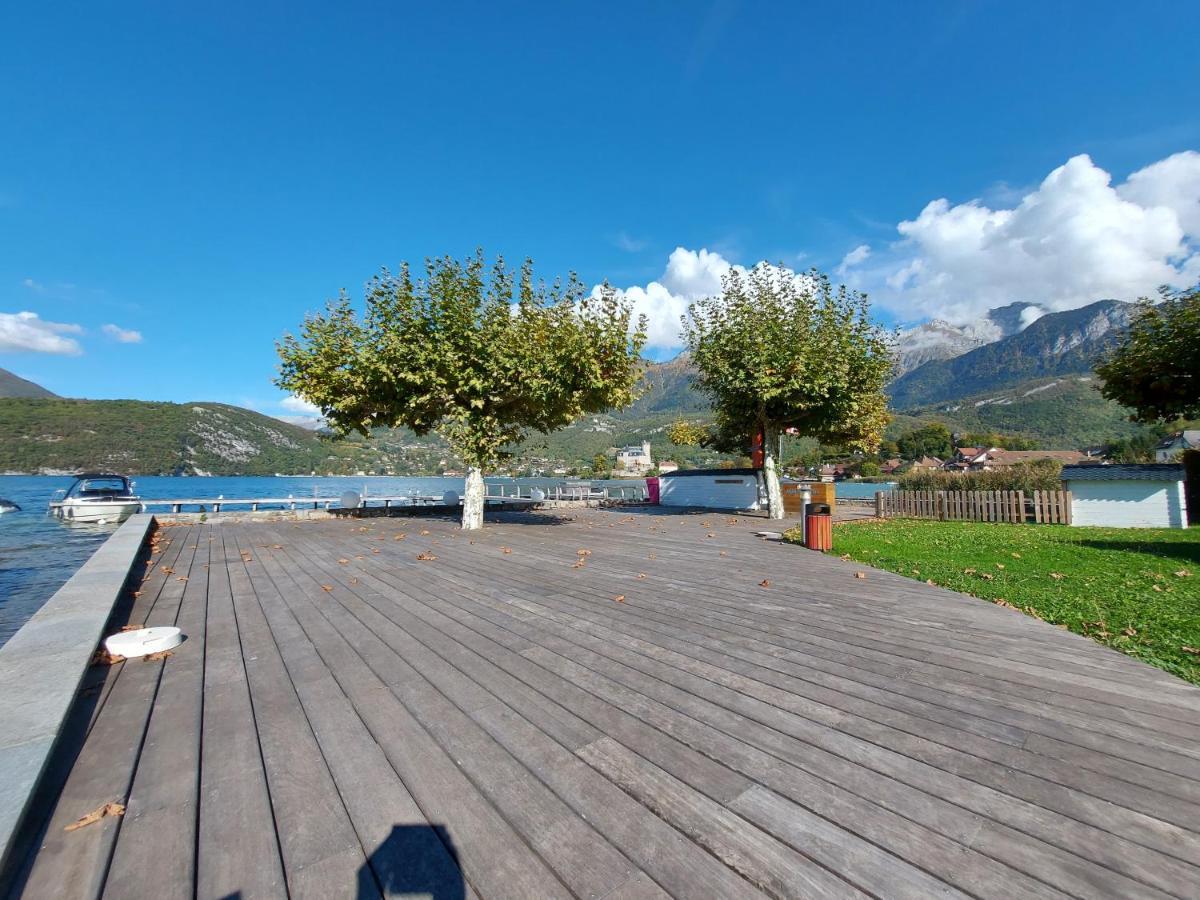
pixel 143 641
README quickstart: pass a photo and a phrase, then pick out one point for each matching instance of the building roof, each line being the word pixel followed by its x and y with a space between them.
pixel 928 462
pixel 1124 472
pixel 969 451
pixel 1187 440
pixel 1009 457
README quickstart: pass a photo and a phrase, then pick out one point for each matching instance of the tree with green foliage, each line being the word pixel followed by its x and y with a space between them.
pixel 933 439
pixel 483 361
pixel 776 351
pixel 601 466
pixel 1155 370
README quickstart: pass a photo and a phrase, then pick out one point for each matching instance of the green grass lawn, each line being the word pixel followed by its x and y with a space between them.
pixel 1137 590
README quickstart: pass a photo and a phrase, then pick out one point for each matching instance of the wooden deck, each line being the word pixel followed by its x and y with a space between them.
pixel 693 711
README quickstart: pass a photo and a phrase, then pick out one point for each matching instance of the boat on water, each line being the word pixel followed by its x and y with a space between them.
pixel 8 506
pixel 100 497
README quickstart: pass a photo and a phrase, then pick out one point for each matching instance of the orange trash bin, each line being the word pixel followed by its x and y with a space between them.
pixel 818 527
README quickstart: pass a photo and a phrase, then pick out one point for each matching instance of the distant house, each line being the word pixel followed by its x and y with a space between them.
pixel 831 472
pixel 1002 459
pixel 634 460
pixel 967 457
pixel 1172 448
pixel 927 464
pixel 889 467
pixel 667 466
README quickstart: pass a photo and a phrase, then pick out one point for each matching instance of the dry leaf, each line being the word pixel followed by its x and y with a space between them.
pixel 327 588
pixel 723 553
pixel 426 557
pixel 931 582
pixel 167 571
pixel 344 561
pixel 986 576
pixel 1057 576
pixel 506 549
pixel 100 812
pixel 860 574
pixel 131 627
pixel 1193 650
pixel 583 552
pixel 103 658
pixel 1016 555
pixel 1002 602
pixel 277 546
pixel 161 654
pixel 999 565
pixel 425 531
pixel 764 583
pixel 968 571
pixel 641 575
pixel 181 578
pixel 1183 573
pixel 844 556
pixel 620 598
pixel 710 534
pixel 401 537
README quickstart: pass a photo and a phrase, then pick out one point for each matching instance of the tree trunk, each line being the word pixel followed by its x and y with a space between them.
pixel 473 500
pixel 771 474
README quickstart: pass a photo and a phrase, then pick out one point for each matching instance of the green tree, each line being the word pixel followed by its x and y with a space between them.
pixel 601 466
pixel 483 361
pixel 1155 370
pixel 933 439
pixel 777 351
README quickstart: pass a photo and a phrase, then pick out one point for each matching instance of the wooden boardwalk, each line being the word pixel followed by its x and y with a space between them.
pixel 607 706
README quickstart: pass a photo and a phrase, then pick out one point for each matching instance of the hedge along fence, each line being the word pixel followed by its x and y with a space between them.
pixel 1039 475
pixel 1017 507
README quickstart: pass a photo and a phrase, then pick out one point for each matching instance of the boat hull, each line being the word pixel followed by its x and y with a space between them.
pixel 99 511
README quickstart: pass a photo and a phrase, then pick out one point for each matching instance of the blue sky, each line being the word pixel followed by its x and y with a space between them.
pixel 204 174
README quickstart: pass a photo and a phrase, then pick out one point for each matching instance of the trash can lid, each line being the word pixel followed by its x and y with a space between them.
pixel 818 509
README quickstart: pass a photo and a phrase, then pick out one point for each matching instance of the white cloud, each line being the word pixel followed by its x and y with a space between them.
pixel 629 244
pixel 299 405
pixel 124 335
pixel 1072 240
pixel 690 275
pixel 35 286
pixel 24 331
pixel 855 257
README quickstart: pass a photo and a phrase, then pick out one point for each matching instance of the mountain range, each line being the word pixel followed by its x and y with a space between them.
pixel 1020 369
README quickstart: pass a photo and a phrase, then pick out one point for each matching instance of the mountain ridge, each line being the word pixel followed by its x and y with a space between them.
pixel 13 385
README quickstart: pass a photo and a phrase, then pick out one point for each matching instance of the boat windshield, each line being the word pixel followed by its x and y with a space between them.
pixel 101 486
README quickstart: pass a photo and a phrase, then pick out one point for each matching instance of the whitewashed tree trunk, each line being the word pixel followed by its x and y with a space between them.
pixel 771 475
pixel 473 500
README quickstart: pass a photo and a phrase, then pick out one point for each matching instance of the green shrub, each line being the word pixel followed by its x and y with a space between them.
pixel 1038 475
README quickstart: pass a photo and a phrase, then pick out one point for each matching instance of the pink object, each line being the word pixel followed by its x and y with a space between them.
pixel 652 489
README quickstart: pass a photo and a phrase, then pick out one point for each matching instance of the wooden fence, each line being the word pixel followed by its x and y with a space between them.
pixel 1042 507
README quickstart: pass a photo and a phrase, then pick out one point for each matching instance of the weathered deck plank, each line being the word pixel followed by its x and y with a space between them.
pixel 346 719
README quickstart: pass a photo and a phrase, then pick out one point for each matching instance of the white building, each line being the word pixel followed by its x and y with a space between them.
pixel 634 460
pixel 1149 495
pixel 1172 448
pixel 735 489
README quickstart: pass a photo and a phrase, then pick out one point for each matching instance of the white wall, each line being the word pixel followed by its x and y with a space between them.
pixel 1127 504
pixel 712 491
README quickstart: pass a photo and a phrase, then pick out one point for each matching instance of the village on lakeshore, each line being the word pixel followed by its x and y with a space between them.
pixel 711 451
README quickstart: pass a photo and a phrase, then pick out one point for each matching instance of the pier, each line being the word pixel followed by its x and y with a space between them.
pixel 600 703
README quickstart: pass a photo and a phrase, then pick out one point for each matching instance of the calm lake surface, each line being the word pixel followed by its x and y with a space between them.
pixel 38 552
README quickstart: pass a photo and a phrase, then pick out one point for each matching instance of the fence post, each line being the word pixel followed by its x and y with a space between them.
pixel 1067 507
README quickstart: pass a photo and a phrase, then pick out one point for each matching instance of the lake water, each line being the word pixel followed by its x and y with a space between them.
pixel 38 552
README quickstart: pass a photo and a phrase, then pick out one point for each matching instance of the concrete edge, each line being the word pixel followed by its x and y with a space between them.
pixel 43 664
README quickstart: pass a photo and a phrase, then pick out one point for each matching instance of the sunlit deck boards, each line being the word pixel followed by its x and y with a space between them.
pixel 347 719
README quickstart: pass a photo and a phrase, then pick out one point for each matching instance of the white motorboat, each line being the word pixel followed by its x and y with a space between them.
pixel 99 497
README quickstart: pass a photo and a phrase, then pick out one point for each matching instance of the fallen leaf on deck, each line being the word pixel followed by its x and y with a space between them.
pixel 161 654
pixel 167 571
pixel 374 549
pixel 426 531
pixel 354 581
pixel 277 546
pixel 181 578
pixel 577 565
pixel 506 549
pixel 131 627
pixel 344 561
pixel 426 557
pixel 620 598
pixel 652 556
pixel 103 658
pixel 399 537
pixel 100 812
pixel 860 574
pixel 710 534
pixel 327 588
pixel 723 553
pixel 641 575
pixel 764 583
pixel 583 552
